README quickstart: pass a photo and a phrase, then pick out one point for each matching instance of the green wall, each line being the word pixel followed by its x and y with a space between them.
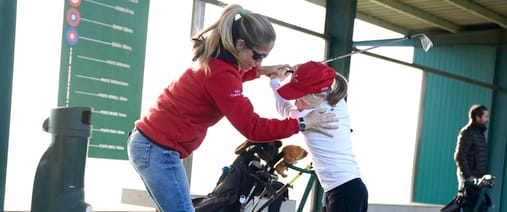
pixel 498 133
pixel 445 104
pixel 7 34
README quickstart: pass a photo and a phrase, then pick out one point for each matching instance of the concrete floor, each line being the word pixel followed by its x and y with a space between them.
pixel 141 198
pixel 404 208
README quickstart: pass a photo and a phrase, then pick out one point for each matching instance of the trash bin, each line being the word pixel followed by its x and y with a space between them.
pixel 59 179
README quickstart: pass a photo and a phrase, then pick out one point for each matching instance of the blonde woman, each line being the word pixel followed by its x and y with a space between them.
pixel 315 86
pixel 229 52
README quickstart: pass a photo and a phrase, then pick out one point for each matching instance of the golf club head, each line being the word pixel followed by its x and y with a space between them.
pixel 425 41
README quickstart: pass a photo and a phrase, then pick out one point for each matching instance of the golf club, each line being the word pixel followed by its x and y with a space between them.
pixel 425 43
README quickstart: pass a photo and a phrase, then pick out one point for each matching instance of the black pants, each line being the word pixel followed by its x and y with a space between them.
pixel 349 197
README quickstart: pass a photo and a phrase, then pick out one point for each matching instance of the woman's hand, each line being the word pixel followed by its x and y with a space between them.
pixel 276 71
pixel 321 121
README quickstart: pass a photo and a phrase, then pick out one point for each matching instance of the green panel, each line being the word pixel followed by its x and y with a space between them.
pixel 7 35
pixel 445 111
pixel 498 134
pixel 102 63
pixel 339 28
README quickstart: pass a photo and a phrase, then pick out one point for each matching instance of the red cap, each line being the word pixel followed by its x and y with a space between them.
pixel 310 77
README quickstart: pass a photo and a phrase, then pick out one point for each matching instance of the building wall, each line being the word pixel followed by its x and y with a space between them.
pixel 445 104
pixel 497 132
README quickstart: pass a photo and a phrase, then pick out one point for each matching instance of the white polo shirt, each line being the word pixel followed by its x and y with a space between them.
pixel 333 157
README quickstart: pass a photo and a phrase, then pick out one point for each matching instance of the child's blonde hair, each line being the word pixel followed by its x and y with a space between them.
pixel 337 92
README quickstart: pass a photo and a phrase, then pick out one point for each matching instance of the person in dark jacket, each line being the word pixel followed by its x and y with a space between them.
pixel 471 154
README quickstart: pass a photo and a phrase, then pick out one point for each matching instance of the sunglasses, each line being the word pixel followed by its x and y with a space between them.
pixel 256 54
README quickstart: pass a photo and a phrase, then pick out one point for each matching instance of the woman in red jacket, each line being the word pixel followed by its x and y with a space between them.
pixel 229 52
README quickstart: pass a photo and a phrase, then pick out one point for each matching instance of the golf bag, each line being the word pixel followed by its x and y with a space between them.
pixel 474 197
pixel 250 175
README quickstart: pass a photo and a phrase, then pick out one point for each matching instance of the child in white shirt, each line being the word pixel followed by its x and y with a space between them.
pixel 314 85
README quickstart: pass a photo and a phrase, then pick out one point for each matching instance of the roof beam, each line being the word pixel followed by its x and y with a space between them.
pixel 382 23
pixel 418 14
pixel 442 73
pixel 273 20
pixel 480 11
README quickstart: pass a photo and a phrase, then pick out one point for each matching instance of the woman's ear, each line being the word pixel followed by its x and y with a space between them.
pixel 240 44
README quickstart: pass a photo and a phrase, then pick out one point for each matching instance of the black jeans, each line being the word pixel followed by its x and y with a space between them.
pixel 349 197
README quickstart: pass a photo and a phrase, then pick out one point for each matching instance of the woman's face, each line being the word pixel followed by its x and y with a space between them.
pixel 251 56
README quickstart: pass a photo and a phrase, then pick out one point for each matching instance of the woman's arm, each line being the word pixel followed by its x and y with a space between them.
pixel 225 89
pixel 276 70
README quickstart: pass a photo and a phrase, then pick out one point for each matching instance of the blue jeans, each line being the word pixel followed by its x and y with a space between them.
pixel 162 173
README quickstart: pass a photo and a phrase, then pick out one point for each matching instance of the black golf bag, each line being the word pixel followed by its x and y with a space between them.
pixel 250 175
pixel 473 198
pixel 476 197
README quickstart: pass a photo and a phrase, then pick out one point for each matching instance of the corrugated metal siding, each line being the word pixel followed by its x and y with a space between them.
pixel 498 134
pixel 386 11
pixel 445 107
pixel 390 15
pixel 448 11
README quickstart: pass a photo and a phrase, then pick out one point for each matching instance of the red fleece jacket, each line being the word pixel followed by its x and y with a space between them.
pixel 197 100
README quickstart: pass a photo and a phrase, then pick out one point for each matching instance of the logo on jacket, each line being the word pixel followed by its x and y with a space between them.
pixel 236 93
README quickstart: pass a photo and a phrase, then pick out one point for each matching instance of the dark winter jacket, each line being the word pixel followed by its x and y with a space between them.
pixel 471 154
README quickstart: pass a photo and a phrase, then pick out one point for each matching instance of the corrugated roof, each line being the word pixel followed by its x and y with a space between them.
pixel 432 16
pixel 447 16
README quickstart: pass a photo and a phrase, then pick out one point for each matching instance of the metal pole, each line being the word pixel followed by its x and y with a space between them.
pixel 197 25
pixel 7 35
pixel 440 73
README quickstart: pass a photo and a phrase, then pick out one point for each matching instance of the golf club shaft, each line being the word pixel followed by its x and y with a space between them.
pixel 283 189
pixel 274 197
pixel 367 49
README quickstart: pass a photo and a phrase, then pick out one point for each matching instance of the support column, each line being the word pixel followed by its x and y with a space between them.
pixel 497 134
pixel 7 34
pixel 339 27
pixel 340 15
pixel 197 25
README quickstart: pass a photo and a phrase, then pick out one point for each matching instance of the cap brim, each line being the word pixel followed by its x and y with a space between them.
pixel 288 92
